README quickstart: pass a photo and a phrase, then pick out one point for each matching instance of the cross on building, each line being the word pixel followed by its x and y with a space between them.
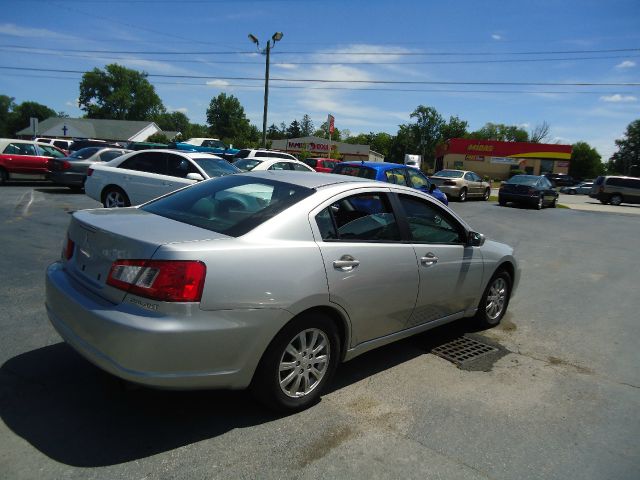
pixel 64 130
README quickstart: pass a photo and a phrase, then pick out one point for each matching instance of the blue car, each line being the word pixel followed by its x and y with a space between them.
pixel 220 149
pixel 391 173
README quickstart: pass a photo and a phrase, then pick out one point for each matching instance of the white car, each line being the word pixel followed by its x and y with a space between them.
pixel 261 153
pixel 141 176
pixel 257 163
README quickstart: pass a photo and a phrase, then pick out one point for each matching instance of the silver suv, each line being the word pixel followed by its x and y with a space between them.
pixel 616 190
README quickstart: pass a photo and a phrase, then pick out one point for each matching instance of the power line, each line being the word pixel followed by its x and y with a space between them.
pixel 379 82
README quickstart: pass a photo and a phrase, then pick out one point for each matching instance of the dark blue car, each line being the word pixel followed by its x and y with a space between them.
pixel 391 173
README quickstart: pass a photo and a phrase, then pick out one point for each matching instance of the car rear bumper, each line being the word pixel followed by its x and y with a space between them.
pixel 518 198
pixel 68 179
pixel 205 349
pixel 449 190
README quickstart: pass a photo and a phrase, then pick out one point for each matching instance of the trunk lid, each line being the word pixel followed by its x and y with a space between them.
pixel 102 236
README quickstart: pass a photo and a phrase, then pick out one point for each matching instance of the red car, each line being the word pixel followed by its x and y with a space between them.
pixel 25 159
pixel 323 165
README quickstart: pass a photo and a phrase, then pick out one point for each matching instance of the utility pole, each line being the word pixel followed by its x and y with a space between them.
pixel 276 37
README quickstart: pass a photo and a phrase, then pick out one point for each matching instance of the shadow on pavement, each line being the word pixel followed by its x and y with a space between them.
pixel 57 189
pixel 78 415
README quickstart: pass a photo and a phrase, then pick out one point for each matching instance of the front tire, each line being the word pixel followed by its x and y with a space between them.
pixel 3 176
pixel 539 203
pixel 298 364
pixel 495 300
pixel 502 201
pixel 114 197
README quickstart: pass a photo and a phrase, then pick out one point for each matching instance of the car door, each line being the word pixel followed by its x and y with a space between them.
pixel 473 187
pixel 371 273
pixel 143 176
pixel 547 190
pixel 450 271
pixel 22 157
pixel 396 176
pixel 418 181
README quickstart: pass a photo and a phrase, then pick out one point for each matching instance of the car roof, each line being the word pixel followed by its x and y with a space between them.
pixel 307 179
pixel 180 152
pixel 381 166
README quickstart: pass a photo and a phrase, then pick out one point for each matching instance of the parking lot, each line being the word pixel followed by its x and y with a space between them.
pixel 560 401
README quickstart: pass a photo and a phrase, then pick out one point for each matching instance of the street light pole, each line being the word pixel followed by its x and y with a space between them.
pixel 276 37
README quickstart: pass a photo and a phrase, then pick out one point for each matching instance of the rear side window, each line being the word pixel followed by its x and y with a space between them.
pixel 356 171
pixel 150 162
pixel 231 205
pixel 109 155
pixel 49 151
pixel 281 166
pixel 367 217
pixel 615 182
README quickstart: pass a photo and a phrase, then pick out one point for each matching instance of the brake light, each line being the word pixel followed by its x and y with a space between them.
pixel 59 165
pixel 164 280
pixel 68 249
pixel 89 171
pixel 601 190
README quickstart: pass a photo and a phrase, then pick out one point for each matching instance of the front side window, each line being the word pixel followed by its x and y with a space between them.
pixel 366 217
pixel 215 167
pixel 49 151
pixel 468 177
pixel 231 205
pixel 429 223
pixel 418 180
pixel 178 166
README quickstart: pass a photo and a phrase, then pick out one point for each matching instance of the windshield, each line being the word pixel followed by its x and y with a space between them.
pixel 356 171
pixel 449 173
pixel 523 180
pixel 216 167
pixel 84 153
pixel 232 205
pixel 247 164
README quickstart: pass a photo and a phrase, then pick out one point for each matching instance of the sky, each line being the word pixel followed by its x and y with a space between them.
pixel 572 64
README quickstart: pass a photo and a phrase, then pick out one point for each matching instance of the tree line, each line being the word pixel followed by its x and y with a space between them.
pixel 121 93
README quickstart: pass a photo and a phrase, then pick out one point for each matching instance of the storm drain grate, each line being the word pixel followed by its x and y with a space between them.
pixel 462 350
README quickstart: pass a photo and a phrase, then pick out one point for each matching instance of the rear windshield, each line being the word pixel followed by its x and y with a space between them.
pixel 449 174
pixel 84 152
pixel 523 180
pixel 599 180
pixel 247 164
pixel 355 171
pixel 216 167
pixel 312 162
pixel 232 205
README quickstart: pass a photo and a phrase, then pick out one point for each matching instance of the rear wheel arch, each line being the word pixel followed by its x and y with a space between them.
pixel 338 318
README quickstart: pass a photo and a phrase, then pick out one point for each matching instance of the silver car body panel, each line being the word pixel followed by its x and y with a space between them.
pixel 255 285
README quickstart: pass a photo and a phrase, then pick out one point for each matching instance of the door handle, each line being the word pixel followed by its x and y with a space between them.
pixel 429 259
pixel 346 263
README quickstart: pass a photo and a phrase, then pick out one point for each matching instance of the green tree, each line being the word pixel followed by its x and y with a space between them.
pixel 454 128
pixel 158 137
pixel 6 108
pixel 585 161
pixel 404 142
pixel 306 126
pixel 627 159
pixel 323 132
pixel 173 122
pixel 540 133
pixel 274 133
pixel 118 93
pixel 500 132
pixel 19 117
pixel 294 131
pixel 379 142
pixel 227 120
pixel 427 131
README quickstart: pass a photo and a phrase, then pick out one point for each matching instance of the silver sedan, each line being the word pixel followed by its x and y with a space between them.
pixel 268 280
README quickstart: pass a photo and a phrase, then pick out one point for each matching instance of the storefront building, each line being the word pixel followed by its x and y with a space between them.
pixel 319 147
pixel 496 160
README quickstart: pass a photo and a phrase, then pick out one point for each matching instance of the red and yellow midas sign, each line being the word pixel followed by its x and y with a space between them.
pixel 467 146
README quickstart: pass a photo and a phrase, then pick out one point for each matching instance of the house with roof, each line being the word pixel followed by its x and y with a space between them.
pixel 110 130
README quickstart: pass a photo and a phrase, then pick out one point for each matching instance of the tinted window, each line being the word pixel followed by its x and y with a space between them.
pixel 312 162
pixel 60 144
pixel 523 180
pixel 231 205
pixel 356 171
pixel 428 223
pixel 329 163
pixel 109 155
pixel 366 217
pixel 449 174
pixel 242 154
pixel 50 151
pixel 178 166
pixel 300 168
pixel 396 176
pixel 281 166
pixel 84 153
pixel 469 177
pixel 599 181
pixel 616 182
pixel 247 164
pixel 151 162
pixel 213 144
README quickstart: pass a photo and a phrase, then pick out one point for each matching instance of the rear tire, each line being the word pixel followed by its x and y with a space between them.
pixel 487 194
pixel 462 197
pixel 539 203
pixel 4 176
pixel 495 300
pixel 616 199
pixel 298 364
pixel 554 203
pixel 114 197
pixel 502 201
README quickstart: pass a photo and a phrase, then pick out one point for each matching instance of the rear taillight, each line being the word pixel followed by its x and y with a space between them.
pixel 601 190
pixel 164 280
pixel 89 171
pixel 532 191
pixel 68 249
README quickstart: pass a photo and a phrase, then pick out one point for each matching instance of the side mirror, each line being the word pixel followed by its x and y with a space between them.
pixel 475 239
pixel 195 176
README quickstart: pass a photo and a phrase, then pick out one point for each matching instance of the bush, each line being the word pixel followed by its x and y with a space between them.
pixel 516 172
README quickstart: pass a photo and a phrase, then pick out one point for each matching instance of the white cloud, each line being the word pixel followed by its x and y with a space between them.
pixel 617 98
pixel 626 64
pixel 72 103
pixel 184 110
pixel 495 36
pixel 286 66
pixel 18 31
pixel 218 83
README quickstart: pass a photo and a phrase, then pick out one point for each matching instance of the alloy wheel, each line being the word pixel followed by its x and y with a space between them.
pixel 304 363
pixel 496 298
pixel 114 199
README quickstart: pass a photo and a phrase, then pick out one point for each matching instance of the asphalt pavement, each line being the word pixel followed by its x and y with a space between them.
pixel 562 403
